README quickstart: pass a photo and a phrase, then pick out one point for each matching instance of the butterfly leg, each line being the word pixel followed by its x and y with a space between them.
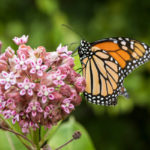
pixel 80 69
pixel 124 92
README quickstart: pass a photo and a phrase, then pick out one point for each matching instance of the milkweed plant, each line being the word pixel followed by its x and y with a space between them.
pixel 38 89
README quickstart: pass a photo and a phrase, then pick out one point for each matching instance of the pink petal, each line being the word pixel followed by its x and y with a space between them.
pixel 33 71
pixel 67 110
pixel 2 81
pixel 30 92
pixel 11 75
pixel 39 94
pixel 13 82
pixel 25 130
pixel 71 106
pixel 47 109
pixel 58 72
pixel 33 64
pixel 26 80
pixel 20 85
pixel 44 67
pixel 4 74
pixel 23 57
pixel 39 109
pixel 17 60
pixel 55 82
pixel 24 67
pixel 66 101
pixel 43 87
pixel 32 85
pixel 44 99
pixel 45 115
pixel 33 113
pixel 63 76
pixel 39 61
pixel 22 92
pixel 50 89
pixel 17 117
pixel 17 67
pixel 13 121
pixel 51 96
pixel 7 86
pixel 28 109
pixel 39 73
pixel 61 82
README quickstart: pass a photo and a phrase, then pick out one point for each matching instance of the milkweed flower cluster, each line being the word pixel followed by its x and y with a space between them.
pixel 38 87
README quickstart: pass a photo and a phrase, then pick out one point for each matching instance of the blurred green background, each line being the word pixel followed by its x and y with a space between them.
pixel 125 126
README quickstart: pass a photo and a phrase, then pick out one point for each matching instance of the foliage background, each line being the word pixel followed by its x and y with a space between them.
pixel 125 126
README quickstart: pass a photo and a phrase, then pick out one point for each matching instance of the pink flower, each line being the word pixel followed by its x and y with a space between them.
pixel 2 102
pixel 9 52
pixel 21 63
pixel 7 114
pixel 46 93
pixel 63 51
pixel 48 111
pixel 23 49
pixel 66 106
pixel 3 65
pixel 69 62
pixel 15 118
pixel 8 79
pixel 21 40
pixel 65 90
pixel 38 67
pixel 40 52
pixel 51 57
pixel 24 125
pixel 34 108
pixel 80 84
pixel 58 78
pixel 26 87
pixel 38 87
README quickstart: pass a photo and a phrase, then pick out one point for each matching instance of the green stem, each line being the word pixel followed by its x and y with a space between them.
pixel 36 138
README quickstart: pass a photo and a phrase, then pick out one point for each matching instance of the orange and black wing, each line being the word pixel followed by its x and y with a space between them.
pixel 105 65
pixel 127 52
pixel 104 79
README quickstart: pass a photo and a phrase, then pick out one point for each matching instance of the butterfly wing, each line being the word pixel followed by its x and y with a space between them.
pixel 109 62
pixel 127 52
pixel 104 79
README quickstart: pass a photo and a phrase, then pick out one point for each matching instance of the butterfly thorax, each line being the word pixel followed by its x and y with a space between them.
pixel 84 50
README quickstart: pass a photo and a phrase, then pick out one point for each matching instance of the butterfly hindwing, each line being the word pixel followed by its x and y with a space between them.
pixel 104 78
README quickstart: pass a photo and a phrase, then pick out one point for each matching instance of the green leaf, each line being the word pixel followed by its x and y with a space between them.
pixel 77 62
pixel 64 134
pixel 9 141
pixel 15 127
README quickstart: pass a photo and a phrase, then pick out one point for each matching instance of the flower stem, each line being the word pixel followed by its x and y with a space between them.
pixel 17 134
pixel 75 136
pixel 36 138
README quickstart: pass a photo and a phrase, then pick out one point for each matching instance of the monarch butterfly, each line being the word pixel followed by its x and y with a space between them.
pixel 105 64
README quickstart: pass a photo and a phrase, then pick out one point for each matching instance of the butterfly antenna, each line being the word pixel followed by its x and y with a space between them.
pixel 70 28
pixel 73 52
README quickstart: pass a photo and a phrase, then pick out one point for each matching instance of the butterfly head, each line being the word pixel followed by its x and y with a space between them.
pixel 84 48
